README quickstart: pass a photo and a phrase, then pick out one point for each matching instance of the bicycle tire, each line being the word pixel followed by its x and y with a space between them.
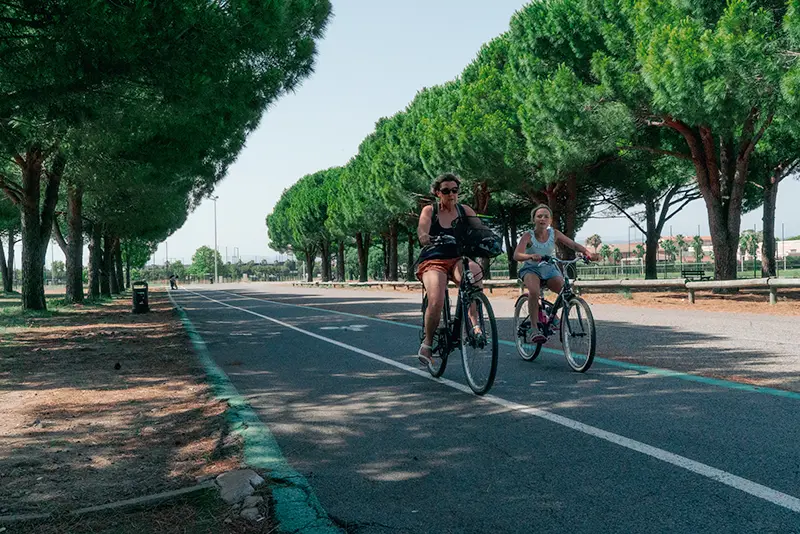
pixel 439 341
pixel 480 365
pixel 526 351
pixel 577 323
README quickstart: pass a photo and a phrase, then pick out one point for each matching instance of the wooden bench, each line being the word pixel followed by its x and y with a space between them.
pixel 694 275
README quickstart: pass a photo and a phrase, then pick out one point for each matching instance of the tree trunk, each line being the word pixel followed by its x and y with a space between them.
pixel 340 262
pixel 329 260
pixel 107 266
pixel 653 235
pixel 95 261
pixel 768 267
pixel 510 262
pixel 393 251
pixel 36 225
pixel 325 260
pixel 482 196
pixel 362 247
pixel 310 256
pixel 4 268
pixel 385 246
pixel 570 214
pixel 118 267
pixel 410 274
pixel 74 252
pixel 12 235
pixel 725 242
pixel 512 229
pixel 127 266
pixel 721 181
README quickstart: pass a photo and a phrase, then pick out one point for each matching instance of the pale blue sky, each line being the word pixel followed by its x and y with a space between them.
pixel 375 56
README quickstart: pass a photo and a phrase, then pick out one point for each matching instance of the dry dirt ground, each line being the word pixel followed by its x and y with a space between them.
pixel 745 301
pixel 100 405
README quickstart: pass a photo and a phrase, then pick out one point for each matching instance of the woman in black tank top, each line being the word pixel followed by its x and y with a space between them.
pixel 438 263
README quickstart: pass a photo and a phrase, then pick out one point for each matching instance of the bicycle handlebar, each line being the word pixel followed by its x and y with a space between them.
pixel 554 260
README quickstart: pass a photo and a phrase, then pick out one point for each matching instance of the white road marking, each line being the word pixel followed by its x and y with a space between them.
pixel 352 327
pixel 748 486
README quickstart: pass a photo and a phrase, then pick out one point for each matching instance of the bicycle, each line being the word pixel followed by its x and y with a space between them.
pixel 478 351
pixel 576 325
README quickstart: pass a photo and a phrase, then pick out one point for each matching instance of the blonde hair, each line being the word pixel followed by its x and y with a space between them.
pixel 540 207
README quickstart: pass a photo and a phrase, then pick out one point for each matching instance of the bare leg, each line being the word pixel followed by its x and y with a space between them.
pixel 533 285
pixel 477 275
pixel 555 284
pixel 435 283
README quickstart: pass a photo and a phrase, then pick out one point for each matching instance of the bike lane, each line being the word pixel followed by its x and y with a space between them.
pixel 445 461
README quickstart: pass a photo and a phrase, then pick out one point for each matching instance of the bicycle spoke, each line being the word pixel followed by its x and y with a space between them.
pixel 579 339
pixel 479 352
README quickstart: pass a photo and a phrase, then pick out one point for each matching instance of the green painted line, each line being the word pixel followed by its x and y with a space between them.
pixel 296 507
pixel 667 373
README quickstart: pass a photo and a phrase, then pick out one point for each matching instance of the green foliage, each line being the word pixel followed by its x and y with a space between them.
pixel 203 262
pixel 681 245
pixel 605 252
pixel 697 248
pixel 749 241
pixel 670 248
pixel 148 103
pixel 58 270
pixel 594 241
pixel 137 252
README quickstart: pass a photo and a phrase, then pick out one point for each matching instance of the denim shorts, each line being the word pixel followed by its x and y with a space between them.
pixel 544 272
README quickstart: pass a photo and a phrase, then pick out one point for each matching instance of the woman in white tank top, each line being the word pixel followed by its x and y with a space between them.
pixel 541 241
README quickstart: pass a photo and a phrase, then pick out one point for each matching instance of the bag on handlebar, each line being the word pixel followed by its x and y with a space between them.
pixel 475 238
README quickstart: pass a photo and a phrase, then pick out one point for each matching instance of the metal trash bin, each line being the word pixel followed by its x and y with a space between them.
pixel 140 303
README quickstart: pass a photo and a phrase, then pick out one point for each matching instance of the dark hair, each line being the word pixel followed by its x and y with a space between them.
pixel 442 178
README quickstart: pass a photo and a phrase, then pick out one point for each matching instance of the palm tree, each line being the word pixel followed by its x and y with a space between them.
pixel 669 249
pixel 748 243
pixel 605 252
pixel 594 241
pixel 617 255
pixel 697 248
pixel 680 244
pixel 639 251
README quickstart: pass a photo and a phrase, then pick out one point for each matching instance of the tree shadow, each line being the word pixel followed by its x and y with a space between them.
pixel 78 431
pixel 715 356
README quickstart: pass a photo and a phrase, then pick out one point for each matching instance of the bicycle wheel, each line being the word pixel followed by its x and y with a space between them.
pixel 479 350
pixel 578 335
pixel 522 327
pixel 439 343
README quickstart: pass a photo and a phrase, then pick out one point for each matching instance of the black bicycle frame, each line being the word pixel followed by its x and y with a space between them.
pixel 465 289
pixel 563 297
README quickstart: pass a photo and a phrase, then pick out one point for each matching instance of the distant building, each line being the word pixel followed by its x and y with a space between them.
pixel 788 248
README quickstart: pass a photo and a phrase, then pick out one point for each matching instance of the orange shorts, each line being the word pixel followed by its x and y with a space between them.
pixel 447 266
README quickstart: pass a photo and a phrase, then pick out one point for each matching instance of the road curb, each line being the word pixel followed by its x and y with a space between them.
pixel 296 507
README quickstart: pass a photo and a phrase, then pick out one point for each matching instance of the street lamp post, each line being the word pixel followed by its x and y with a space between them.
pixel 216 272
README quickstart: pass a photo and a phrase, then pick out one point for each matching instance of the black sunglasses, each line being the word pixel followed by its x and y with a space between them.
pixel 446 191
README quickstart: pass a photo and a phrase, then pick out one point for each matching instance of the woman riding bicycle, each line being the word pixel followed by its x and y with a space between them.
pixel 534 244
pixel 439 261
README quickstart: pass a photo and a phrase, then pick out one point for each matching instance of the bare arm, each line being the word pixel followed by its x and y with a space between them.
pixel 519 252
pixel 424 226
pixel 564 240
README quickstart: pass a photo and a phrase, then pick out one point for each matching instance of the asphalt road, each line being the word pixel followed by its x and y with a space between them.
pixel 623 448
